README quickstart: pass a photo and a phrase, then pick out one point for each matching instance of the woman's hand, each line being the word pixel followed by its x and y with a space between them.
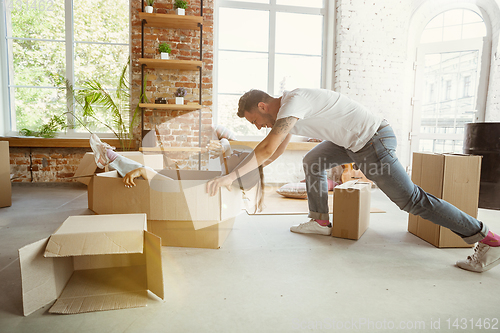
pixel 214 184
pixel 136 173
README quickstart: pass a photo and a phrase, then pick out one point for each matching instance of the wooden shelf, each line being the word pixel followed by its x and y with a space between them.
pixel 172 21
pixel 189 65
pixel 31 142
pixel 181 107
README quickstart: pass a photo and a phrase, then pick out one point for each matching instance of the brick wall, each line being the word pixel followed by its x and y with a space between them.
pixel 44 164
pixel 371 57
pixel 176 128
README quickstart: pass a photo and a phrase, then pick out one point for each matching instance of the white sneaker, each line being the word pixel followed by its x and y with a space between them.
pixel 311 227
pixel 484 258
pixel 99 149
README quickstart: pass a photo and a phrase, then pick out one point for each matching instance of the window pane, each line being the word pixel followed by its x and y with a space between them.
pixel 454 25
pixel 35 106
pixel 103 63
pixel 452 33
pixel 103 115
pixel 227 116
pixel 242 71
pixel 243 30
pixel 473 30
pixel 302 3
pixel 292 28
pixel 103 20
pixel 38 63
pixel 471 17
pixel 41 19
pixel 453 17
pixel 294 71
pixel 432 35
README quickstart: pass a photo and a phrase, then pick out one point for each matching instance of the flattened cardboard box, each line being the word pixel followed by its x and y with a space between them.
pixel 178 208
pixel 92 263
pixel 351 209
pixel 88 168
pixel 5 186
pixel 453 178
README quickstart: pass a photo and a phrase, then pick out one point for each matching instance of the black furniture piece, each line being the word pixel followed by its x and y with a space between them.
pixel 484 139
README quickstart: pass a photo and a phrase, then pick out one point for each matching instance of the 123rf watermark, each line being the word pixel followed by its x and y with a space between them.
pixel 27 5
pixel 465 324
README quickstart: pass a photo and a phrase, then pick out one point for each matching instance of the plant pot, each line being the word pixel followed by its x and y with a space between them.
pixel 179 100
pixel 165 55
pixel 148 9
pixel 180 11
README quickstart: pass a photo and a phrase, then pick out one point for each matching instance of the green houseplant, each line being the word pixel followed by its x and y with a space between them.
pixel 180 7
pixel 165 50
pixel 116 104
pixel 149 6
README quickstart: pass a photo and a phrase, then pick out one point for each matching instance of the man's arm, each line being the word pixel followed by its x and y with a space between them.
pixel 281 149
pixel 263 152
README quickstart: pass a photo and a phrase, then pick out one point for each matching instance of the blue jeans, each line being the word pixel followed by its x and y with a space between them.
pixel 378 161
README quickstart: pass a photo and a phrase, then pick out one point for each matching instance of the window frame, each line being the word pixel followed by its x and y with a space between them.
pixel 328 43
pixel 7 117
pixel 483 45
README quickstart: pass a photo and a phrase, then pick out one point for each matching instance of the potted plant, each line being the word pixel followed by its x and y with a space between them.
pixel 149 6
pixel 179 95
pixel 165 50
pixel 180 7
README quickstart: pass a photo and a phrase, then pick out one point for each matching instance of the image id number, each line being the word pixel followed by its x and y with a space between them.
pixel 469 324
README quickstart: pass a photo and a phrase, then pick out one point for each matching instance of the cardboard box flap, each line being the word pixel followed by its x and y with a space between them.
pixel 152 250
pixel 103 289
pixel 352 184
pixel 154 161
pixel 94 243
pixel 42 279
pixel 120 233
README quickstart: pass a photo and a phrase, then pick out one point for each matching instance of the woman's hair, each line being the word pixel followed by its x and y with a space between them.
pixel 250 100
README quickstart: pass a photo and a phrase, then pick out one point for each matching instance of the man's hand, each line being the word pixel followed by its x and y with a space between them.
pixel 214 184
pixel 129 177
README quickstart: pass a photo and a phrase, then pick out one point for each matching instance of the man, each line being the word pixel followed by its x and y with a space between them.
pixel 351 133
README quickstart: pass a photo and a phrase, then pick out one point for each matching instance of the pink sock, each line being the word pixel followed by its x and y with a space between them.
pixel 491 239
pixel 324 223
pixel 111 155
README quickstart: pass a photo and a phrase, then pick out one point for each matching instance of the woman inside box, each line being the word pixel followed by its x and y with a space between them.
pixel 105 155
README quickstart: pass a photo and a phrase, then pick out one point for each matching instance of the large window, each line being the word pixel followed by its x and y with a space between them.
pixel 449 73
pixel 48 42
pixel 271 45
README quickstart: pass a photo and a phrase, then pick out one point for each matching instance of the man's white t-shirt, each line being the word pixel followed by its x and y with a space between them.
pixel 329 115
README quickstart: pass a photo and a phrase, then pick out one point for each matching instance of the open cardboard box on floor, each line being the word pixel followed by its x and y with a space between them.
pixel 92 263
pixel 5 186
pixel 453 178
pixel 351 209
pixel 178 208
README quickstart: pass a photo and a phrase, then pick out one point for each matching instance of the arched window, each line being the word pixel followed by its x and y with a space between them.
pixel 448 73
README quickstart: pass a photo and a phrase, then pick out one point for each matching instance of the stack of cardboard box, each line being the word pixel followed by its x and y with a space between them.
pixel 178 208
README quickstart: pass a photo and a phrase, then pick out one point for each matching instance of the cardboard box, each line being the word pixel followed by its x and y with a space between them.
pixel 178 208
pixel 88 168
pixel 351 209
pixel 92 263
pixel 453 178
pixel 5 186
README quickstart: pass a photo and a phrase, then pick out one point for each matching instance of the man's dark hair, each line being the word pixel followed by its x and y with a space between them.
pixel 250 100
